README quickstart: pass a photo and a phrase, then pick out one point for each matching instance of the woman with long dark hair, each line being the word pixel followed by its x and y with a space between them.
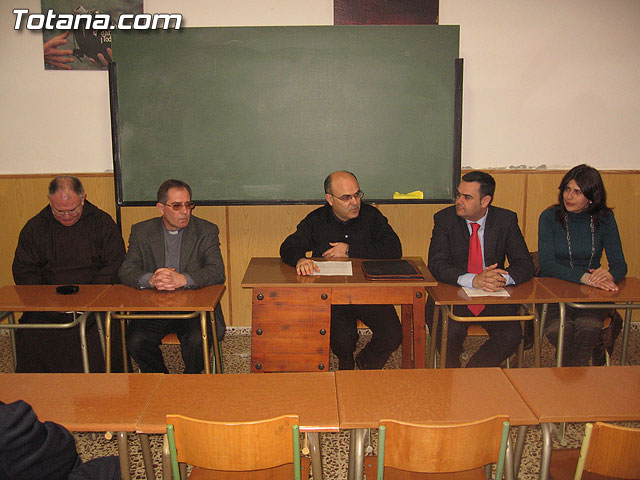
pixel 571 238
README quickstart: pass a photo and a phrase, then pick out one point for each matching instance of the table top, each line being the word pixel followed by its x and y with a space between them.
pixel 245 397
pixel 527 292
pixel 20 298
pixel 573 292
pixel 427 396
pixel 124 298
pixel 580 394
pixel 83 402
pixel 273 272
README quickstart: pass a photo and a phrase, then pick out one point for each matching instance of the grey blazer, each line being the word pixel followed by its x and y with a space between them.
pixel 200 255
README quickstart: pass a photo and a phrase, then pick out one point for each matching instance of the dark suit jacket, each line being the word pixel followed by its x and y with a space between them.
pixel 449 248
pixel 199 254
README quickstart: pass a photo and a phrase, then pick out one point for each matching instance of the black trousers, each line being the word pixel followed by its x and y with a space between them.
pixel 145 336
pixel 58 351
pixel 384 324
pixel 504 337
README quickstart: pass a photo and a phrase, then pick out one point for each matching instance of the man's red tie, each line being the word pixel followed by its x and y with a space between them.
pixel 474 264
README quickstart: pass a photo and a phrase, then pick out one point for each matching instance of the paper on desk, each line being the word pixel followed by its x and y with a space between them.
pixel 334 268
pixel 478 292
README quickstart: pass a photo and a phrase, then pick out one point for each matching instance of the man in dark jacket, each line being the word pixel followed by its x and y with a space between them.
pixel 35 450
pixel 70 241
pixel 346 227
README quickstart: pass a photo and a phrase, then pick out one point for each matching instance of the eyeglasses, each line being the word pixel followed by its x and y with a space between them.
pixel 178 206
pixel 346 198
pixel 66 213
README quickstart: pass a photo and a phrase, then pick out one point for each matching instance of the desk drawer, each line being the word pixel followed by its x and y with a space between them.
pixel 290 330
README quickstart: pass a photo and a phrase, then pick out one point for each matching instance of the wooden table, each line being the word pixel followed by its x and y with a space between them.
pixel 239 398
pixel 43 298
pixel 583 296
pixel 429 396
pixel 291 314
pixel 446 296
pixel 577 394
pixel 85 403
pixel 121 298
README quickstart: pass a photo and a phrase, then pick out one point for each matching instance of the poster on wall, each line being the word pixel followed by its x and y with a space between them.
pixel 81 35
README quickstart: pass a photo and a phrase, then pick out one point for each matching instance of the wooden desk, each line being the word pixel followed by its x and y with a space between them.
pixel 238 398
pixel 577 394
pixel 583 296
pixel 446 296
pixel 429 396
pixel 85 403
pixel 291 314
pixel 43 298
pixel 121 298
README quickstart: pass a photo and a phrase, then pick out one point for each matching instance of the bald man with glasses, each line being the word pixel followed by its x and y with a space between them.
pixel 347 227
pixel 71 241
pixel 174 251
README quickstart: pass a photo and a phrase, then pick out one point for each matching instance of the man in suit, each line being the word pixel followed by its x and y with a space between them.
pixel 473 219
pixel 347 227
pixel 174 251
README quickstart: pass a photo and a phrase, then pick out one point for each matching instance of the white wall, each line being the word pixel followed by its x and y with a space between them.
pixel 545 82
pixel 549 82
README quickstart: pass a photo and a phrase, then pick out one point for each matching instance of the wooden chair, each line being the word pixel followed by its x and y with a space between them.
pixel 455 451
pixel 263 449
pixel 608 451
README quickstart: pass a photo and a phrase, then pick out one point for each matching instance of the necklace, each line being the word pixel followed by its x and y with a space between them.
pixel 593 240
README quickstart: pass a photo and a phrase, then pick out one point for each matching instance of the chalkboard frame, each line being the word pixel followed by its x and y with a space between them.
pixel 117 158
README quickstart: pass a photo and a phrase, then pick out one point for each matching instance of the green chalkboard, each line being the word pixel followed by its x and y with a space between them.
pixel 262 114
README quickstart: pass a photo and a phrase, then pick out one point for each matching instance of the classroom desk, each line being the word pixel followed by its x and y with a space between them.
pixel 43 298
pixel 121 298
pixel 583 296
pixel 291 314
pixel 429 396
pixel 446 296
pixel 85 403
pixel 577 394
pixel 238 398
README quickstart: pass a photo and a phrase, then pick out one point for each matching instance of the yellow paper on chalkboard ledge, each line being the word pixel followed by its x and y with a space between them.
pixel 415 195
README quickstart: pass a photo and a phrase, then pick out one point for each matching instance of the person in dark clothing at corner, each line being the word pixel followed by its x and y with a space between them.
pixel 70 241
pixel 346 227
pixel 35 450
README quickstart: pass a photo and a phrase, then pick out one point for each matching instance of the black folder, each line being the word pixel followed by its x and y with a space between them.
pixel 390 270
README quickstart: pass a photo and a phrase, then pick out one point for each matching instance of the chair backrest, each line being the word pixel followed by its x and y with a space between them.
pixel 232 446
pixel 442 448
pixel 610 450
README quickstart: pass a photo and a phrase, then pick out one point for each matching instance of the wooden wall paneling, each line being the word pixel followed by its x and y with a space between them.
pixel 510 193
pixel 413 224
pixel 542 192
pixel 257 231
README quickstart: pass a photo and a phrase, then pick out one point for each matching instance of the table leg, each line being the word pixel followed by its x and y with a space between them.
pixel 123 452
pixel 433 337
pixel 83 341
pixel 107 341
pixel 625 335
pixel 316 455
pixel 560 349
pixel 408 332
pixel 205 342
pixel 356 453
pixel 217 355
pixel 519 448
pixel 547 445
pixel 419 329
pixel 443 341
pixel 98 316
pixel 147 458
pixel 508 461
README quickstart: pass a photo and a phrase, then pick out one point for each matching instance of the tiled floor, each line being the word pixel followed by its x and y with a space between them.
pixel 236 354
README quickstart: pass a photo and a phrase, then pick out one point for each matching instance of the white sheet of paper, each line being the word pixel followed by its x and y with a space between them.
pixel 478 292
pixel 334 268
